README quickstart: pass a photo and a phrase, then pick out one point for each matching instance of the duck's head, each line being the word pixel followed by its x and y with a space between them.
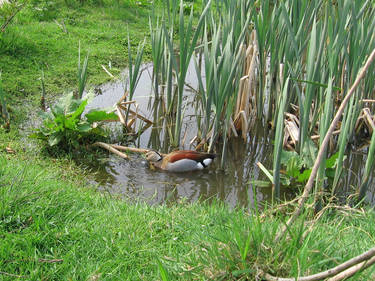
pixel 153 156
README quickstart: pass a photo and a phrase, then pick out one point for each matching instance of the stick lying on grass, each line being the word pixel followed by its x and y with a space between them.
pixel 340 272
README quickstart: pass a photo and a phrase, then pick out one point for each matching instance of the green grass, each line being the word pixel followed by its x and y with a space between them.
pixel 34 41
pixel 54 226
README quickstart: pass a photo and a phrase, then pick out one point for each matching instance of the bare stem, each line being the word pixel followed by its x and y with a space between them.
pixel 344 270
pixel 2 28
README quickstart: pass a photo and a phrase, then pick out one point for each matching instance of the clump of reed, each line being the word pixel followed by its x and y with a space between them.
pixel 244 54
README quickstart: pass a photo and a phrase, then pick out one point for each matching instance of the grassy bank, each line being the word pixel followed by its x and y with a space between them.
pixel 56 229
pixel 47 37
pixel 54 226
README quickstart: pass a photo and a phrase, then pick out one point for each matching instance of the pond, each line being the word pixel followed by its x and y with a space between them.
pixel 134 179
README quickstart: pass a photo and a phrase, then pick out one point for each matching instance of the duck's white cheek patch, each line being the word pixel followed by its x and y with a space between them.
pixel 200 166
pixel 207 161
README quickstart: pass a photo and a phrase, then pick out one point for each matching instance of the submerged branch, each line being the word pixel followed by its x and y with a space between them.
pixel 115 148
pixel 132 149
pixel 323 147
pixel 111 149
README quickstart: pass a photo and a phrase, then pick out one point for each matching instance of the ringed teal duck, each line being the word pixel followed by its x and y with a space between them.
pixel 181 160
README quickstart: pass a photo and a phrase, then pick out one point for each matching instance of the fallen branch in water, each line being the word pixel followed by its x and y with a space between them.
pixel 340 272
pixel 115 148
pixel 323 147
pixel 111 149
pixel 132 149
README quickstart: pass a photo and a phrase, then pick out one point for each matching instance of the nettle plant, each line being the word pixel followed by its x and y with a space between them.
pixel 66 126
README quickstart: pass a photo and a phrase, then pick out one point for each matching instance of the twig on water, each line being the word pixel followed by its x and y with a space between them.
pixel 115 148
pixel 132 149
pixel 323 147
pixel 111 149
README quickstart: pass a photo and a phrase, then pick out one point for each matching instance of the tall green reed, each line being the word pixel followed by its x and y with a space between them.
pixel 134 67
pixel 279 140
pixel 81 74
pixel 223 54
pixel 323 128
pixel 321 47
pixel 157 51
pixel 188 38
pixel 368 168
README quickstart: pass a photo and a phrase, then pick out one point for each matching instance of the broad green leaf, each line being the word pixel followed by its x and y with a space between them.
pixel 304 176
pixel 285 181
pixel 70 123
pixel 84 127
pixel 100 115
pixel 77 113
pixel 294 166
pixel 331 161
pixel 54 139
pixel 57 110
pixel 309 153
pixel 287 155
pixel 37 135
pixel 73 106
pixel 89 96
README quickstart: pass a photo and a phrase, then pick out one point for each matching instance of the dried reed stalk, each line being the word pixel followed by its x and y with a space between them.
pixel 369 119
pixel 106 71
pixel 120 115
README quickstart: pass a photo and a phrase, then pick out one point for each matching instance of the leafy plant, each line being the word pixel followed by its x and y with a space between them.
pixel 64 126
pixel 299 167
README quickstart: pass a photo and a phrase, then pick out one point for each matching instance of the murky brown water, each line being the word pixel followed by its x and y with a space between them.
pixel 135 180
